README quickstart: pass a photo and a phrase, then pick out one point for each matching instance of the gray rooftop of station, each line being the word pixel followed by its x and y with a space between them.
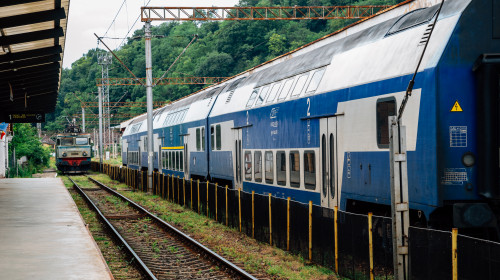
pixel 32 37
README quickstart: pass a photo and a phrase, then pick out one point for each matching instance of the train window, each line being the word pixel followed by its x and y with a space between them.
pixel 294 169
pixel 81 141
pixel 252 98
pixel 198 140
pixel 262 96
pixel 299 86
pixel 218 138
pixel 181 161
pixel 258 167
pixel 67 141
pixel 145 143
pixel 203 139
pixel 269 167
pixel 170 161
pixel 58 142
pixel 212 137
pixel 281 168
pixel 176 161
pixel 385 107
pixel 286 89
pixel 310 170
pixel 314 83
pixel 273 93
pixel 248 166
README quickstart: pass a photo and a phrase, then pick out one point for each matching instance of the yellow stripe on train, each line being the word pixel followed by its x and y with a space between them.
pixel 173 148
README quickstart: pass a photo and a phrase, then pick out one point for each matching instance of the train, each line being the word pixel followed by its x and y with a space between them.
pixel 73 150
pixel 312 124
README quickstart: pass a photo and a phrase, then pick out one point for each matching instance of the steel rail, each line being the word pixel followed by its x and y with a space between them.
pixel 240 272
pixel 132 254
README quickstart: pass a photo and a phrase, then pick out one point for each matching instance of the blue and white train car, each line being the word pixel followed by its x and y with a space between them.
pixel 313 124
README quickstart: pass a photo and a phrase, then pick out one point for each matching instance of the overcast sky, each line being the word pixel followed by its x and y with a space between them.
pixel 87 17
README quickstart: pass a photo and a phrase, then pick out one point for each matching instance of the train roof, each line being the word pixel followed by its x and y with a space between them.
pixel 314 55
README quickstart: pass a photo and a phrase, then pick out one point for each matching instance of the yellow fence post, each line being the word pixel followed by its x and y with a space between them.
pixel 310 230
pixel 207 198
pixel 191 180
pixel 178 191
pixel 227 218
pixel 253 214
pixel 198 196
pixel 184 191
pixel 454 257
pixel 216 202
pixel 288 223
pixel 370 242
pixel 270 223
pixel 239 207
pixel 168 187
pixel 335 213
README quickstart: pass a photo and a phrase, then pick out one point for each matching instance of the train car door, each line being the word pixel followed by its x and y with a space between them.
pixel 328 158
pixel 186 157
pixel 237 159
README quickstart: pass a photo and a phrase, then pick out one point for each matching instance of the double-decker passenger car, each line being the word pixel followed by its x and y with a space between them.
pixel 313 124
pixel 73 150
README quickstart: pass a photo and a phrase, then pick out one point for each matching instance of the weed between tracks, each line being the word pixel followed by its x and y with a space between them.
pixel 257 258
pixel 115 258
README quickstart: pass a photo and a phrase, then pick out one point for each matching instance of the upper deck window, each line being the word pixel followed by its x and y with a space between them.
pixel 385 107
pixel 82 141
pixel 413 19
pixel 135 128
pixel 286 89
pixel 251 100
pixel 262 96
pixel 314 83
pixel 299 86
pixel 273 93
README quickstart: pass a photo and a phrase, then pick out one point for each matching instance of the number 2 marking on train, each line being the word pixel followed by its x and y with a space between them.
pixel 308 106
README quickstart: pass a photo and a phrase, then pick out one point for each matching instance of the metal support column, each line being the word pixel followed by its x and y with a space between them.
pixel 100 128
pixel 83 119
pixel 399 197
pixel 149 97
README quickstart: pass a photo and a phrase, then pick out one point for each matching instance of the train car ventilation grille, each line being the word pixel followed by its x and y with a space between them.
pixel 229 97
pixel 427 32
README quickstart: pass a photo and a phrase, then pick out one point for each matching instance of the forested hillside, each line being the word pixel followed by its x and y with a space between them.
pixel 222 49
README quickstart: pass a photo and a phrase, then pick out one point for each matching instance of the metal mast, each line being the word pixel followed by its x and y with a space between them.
pixel 104 59
pixel 149 97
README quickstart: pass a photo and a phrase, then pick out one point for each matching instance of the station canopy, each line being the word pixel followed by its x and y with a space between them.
pixel 32 37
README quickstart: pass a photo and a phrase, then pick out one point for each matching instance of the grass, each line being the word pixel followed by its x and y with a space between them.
pixel 255 257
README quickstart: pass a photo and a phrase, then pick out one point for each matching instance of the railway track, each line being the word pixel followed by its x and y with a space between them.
pixel 159 250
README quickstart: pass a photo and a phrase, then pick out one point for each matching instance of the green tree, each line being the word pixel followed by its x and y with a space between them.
pixel 26 143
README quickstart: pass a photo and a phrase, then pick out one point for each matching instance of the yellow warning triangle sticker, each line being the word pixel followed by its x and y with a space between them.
pixel 456 107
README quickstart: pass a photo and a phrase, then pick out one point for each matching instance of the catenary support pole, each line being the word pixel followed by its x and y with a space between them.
pixel 83 119
pixel 149 99
pixel 100 129
pixel 399 197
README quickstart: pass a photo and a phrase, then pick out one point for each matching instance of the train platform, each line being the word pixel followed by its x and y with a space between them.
pixel 42 235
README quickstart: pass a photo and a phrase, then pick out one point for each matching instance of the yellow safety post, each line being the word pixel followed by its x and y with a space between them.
pixel 184 191
pixel 239 207
pixel 288 223
pixel 198 196
pixel 207 198
pixel 454 256
pixel 227 218
pixel 310 230
pixel 270 223
pixel 168 187
pixel 216 202
pixel 173 190
pixel 335 213
pixel 370 242
pixel 253 214
pixel 178 191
